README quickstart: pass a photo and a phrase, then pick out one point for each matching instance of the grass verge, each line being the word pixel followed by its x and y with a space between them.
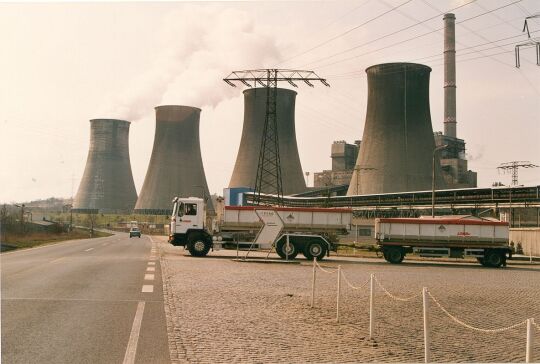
pixel 32 239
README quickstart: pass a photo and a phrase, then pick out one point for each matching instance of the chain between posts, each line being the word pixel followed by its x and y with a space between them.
pixel 324 270
pixel 351 285
pixel 395 297
pixel 455 319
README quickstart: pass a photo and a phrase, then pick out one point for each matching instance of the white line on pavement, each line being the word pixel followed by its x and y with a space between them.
pixel 148 277
pixel 131 349
pixel 151 263
pixel 89 249
pixel 152 240
pixel 149 288
pixel 150 269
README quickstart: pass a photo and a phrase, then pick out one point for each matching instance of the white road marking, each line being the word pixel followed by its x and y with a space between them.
pixel 148 288
pixel 151 263
pixel 148 277
pixel 150 269
pixel 89 249
pixel 105 244
pixel 131 349
pixel 56 260
pixel 152 240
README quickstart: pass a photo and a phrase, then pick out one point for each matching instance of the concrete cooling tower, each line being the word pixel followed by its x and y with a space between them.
pixel 176 167
pixel 398 144
pixel 245 169
pixel 107 183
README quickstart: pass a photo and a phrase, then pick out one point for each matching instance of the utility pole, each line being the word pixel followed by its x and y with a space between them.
pixel 433 179
pixel 22 216
pixel 268 177
pixel 513 167
pixel 529 43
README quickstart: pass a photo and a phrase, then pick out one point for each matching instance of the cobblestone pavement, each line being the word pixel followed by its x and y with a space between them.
pixel 219 310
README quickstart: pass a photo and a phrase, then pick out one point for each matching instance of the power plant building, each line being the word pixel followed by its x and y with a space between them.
pixel 245 168
pixel 175 167
pixel 397 144
pixel 107 184
pixel 344 157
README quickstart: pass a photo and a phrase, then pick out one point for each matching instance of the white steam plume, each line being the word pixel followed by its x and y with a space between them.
pixel 200 46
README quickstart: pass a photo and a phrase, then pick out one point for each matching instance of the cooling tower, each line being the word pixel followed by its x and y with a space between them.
pixel 176 167
pixel 107 182
pixel 398 144
pixel 245 169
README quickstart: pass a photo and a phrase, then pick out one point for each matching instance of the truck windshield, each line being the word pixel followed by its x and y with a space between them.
pixel 181 209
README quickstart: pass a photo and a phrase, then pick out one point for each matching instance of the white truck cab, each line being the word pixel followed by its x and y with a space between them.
pixel 188 213
pixel 187 226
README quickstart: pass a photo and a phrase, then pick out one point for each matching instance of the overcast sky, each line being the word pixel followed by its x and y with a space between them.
pixel 63 64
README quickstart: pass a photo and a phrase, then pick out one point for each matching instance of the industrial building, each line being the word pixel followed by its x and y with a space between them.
pixel 176 167
pixel 245 168
pixel 107 184
pixel 344 157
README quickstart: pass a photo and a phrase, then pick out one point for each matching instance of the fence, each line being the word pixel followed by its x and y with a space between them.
pixel 427 299
pixel 529 238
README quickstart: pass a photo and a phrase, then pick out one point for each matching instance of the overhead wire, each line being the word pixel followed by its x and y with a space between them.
pixel 389 34
pixel 414 38
pixel 344 33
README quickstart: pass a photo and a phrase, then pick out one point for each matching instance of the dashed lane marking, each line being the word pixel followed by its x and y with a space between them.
pixel 131 349
pixel 89 249
pixel 148 277
pixel 57 260
pixel 148 288
pixel 151 263
pixel 150 269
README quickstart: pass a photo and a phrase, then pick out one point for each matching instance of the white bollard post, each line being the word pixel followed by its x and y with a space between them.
pixel 371 302
pixel 338 291
pixel 530 338
pixel 313 284
pixel 427 353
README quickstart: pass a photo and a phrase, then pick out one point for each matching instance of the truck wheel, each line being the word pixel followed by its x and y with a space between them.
pixel 281 249
pixel 481 261
pixel 198 245
pixel 494 259
pixel 394 255
pixel 316 249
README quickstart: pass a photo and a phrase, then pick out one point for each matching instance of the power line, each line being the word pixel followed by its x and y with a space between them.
pixel 345 33
pixel 389 34
pixel 415 37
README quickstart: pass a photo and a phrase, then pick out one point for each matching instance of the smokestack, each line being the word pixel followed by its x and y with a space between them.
pixel 176 167
pixel 397 145
pixel 450 120
pixel 107 183
pixel 245 169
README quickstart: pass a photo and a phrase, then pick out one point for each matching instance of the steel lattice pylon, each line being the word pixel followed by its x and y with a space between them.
pixel 513 167
pixel 268 177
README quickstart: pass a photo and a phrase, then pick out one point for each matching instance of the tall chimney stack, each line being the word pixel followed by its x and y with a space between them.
pixel 450 120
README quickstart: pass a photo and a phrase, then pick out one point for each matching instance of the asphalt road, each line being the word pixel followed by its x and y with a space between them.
pixel 84 301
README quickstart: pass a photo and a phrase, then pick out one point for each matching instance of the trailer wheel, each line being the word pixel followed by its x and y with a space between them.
pixel 281 249
pixel 494 258
pixel 198 245
pixel 315 249
pixel 394 255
